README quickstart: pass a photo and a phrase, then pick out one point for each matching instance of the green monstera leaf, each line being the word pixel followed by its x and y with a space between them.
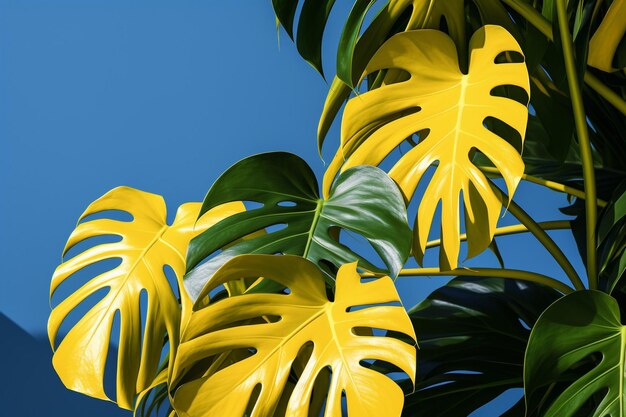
pixel 575 360
pixel 472 336
pixel 363 200
pixel 311 26
pixel 612 242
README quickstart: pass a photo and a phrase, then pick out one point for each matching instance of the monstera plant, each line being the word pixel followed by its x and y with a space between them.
pixel 254 303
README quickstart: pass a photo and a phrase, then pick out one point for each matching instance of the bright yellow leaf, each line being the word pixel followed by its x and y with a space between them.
pixel 447 108
pixel 301 318
pixel 422 14
pixel 160 379
pixel 147 245
pixel 607 37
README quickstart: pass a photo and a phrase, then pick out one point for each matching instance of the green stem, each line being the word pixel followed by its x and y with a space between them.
pixel 316 218
pixel 553 185
pixel 543 25
pixel 605 92
pixel 541 235
pixel 513 229
pixel 487 272
pixel 580 122
pixel 557 186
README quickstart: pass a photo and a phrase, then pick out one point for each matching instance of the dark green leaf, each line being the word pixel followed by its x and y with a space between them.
pixel 363 200
pixel 472 336
pixel 611 241
pixel 578 339
pixel 311 27
pixel 349 37
pixel 550 131
pixel 285 11
pixel 493 247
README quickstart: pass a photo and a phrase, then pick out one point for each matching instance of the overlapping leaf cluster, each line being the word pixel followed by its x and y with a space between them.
pixel 254 303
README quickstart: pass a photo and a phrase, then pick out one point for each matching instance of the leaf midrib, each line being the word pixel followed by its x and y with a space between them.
pixel 316 218
pixel 122 285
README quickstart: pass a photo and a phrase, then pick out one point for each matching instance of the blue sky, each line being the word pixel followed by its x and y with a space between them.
pixel 161 96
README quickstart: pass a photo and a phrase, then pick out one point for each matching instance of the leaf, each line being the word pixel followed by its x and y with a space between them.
pixel 550 131
pixel 611 240
pixel 147 245
pixel 606 39
pixel 447 110
pixel 311 25
pixel 302 317
pixel 396 16
pixel 349 37
pixel 569 333
pixel 154 395
pixel 473 334
pixel 363 200
pixel 285 11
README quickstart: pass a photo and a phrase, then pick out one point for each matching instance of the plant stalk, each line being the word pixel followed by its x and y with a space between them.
pixel 553 185
pixel 605 92
pixel 541 235
pixel 486 272
pixel 535 18
pixel 513 229
pixel 580 122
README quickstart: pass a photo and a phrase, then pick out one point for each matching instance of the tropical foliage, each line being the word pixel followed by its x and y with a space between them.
pixel 253 303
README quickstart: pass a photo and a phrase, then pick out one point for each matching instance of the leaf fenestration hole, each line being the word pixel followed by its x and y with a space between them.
pixel 143 314
pixel 509 57
pixel 286 203
pixel 276 227
pixel 388 369
pixel 524 324
pixel 111 365
pixel 365 306
pixel 88 243
pixel 272 319
pixel 505 131
pixel 319 395
pixel 75 281
pixel 396 76
pixel 170 275
pixel 254 396
pixel 417 137
pixel 119 215
pixel 252 205
pixel 165 351
pixel 218 293
pixel 301 360
pixel 266 286
pixel 513 92
pixel 78 312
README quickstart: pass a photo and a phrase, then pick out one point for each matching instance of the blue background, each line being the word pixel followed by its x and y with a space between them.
pixel 162 96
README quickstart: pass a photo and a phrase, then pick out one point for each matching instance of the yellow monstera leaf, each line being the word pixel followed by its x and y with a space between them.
pixel 298 332
pixel 607 38
pixel 448 110
pixel 147 245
